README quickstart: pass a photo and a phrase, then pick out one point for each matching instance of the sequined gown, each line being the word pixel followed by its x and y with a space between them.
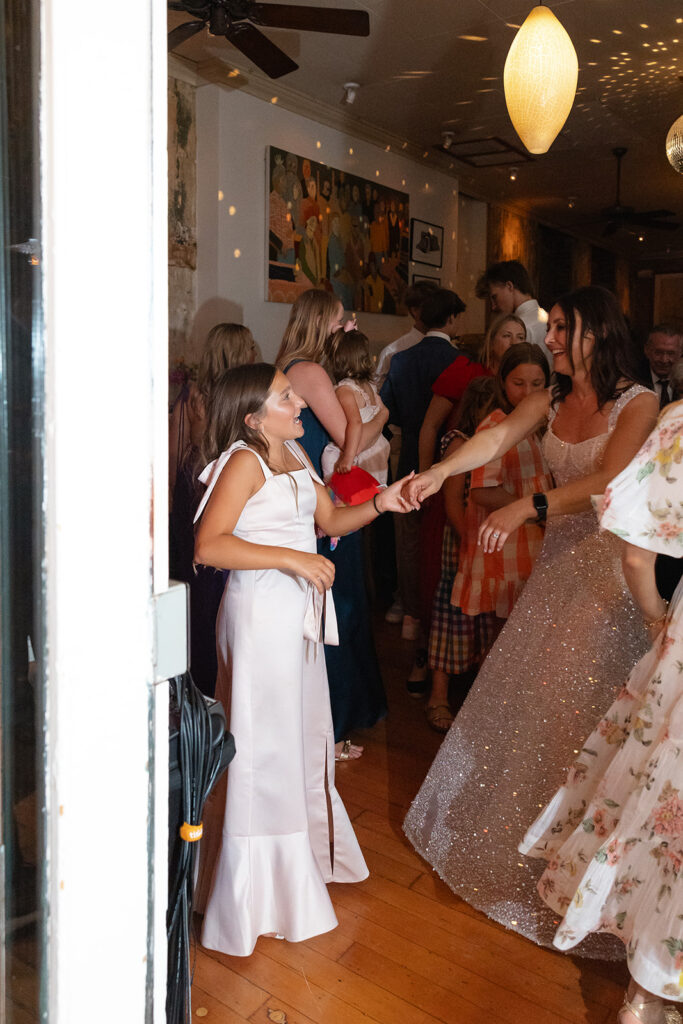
pixel 572 637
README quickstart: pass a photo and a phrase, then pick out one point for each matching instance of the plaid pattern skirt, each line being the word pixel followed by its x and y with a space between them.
pixel 457 642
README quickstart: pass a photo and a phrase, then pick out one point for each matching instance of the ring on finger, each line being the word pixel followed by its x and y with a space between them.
pixel 496 533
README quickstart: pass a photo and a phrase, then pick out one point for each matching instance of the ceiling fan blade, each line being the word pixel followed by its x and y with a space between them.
pixel 259 49
pixel 313 19
pixel 646 215
pixel 183 32
pixel 660 225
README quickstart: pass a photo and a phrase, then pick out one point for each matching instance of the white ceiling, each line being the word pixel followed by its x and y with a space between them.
pixel 419 75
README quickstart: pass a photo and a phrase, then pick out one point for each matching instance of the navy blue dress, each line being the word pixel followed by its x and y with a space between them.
pixel 356 690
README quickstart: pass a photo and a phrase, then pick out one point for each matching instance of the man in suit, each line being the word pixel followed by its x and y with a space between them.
pixel 663 349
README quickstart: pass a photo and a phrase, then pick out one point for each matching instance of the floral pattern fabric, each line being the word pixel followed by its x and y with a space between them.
pixel 613 834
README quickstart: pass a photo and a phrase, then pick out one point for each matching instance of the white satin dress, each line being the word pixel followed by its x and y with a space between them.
pixel 285 832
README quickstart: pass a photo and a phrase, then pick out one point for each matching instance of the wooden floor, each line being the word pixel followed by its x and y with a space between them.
pixel 407 950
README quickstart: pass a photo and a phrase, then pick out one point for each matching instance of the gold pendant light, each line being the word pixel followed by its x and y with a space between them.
pixel 540 77
pixel 674 145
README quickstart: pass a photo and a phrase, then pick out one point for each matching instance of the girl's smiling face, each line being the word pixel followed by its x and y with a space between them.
pixel 279 418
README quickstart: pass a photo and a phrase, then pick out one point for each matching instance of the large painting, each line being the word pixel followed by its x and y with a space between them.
pixel 333 230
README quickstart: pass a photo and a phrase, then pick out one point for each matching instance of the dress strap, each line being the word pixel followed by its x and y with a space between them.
pixel 299 455
pixel 354 386
pixel 210 474
pixel 623 400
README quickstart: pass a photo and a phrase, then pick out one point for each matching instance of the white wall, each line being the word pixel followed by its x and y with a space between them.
pixel 471 261
pixel 233 131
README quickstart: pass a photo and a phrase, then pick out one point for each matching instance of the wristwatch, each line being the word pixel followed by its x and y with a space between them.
pixel 541 505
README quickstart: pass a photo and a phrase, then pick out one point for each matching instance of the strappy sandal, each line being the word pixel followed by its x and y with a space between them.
pixel 651 1011
pixel 345 752
pixel 439 717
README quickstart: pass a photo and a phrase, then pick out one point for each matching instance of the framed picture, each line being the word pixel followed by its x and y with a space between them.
pixel 326 228
pixel 426 242
pixel 427 277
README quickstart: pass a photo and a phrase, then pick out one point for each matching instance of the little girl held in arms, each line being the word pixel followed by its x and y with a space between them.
pixel 350 366
pixel 286 833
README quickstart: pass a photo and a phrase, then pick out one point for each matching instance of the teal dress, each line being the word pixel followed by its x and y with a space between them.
pixel 356 689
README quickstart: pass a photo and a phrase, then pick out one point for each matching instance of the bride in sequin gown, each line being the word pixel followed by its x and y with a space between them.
pixel 570 640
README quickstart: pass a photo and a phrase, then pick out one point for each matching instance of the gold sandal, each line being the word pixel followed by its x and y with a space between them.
pixel 439 716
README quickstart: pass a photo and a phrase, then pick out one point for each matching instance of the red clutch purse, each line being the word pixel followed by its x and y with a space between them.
pixel 354 487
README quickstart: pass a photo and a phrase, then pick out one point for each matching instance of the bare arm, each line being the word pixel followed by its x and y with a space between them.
pixel 491 498
pixel 215 543
pixel 312 383
pixel 439 410
pixel 454 492
pixel 639 570
pixel 354 426
pixel 337 522
pixel 486 445
pixel 633 426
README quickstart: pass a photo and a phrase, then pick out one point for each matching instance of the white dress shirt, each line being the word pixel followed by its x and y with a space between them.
pixel 389 351
pixel 535 320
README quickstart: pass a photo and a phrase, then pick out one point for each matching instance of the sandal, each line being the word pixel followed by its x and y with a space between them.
pixel 650 1011
pixel 439 717
pixel 347 752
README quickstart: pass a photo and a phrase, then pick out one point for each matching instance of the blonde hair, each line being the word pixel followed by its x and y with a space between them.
pixel 227 346
pixel 494 327
pixel 308 327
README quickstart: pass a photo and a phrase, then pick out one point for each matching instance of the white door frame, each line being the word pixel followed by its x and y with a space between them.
pixel 104 199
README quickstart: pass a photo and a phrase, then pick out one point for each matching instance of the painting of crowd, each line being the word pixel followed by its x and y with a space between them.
pixel 332 230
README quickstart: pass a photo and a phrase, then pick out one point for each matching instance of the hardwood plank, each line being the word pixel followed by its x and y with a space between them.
pixel 294 987
pixel 440 961
pixel 218 1012
pixel 388 867
pixel 235 992
pixel 360 994
pixel 390 846
pixel 482 947
pixel 272 1011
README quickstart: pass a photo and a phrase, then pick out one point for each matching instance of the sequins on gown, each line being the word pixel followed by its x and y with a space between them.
pixel 570 641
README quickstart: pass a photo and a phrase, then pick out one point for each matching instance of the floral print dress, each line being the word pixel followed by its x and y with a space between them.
pixel 613 834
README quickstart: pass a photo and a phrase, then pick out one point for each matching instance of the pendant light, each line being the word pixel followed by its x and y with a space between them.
pixel 540 78
pixel 674 145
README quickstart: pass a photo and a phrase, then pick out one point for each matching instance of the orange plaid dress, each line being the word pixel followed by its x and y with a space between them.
pixel 492 582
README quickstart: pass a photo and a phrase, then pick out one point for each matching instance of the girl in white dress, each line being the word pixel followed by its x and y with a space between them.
pixel 350 366
pixel 285 832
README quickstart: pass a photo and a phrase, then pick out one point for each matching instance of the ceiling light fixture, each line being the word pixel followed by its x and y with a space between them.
pixel 540 79
pixel 674 145
pixel 513 174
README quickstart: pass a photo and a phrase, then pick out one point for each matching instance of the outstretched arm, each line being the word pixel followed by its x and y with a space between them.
pixel 633 426
pixel 486 445
pixel 336 522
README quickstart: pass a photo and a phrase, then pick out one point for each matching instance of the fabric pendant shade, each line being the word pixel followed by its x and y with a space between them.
pixel 674 145
pixel 540 78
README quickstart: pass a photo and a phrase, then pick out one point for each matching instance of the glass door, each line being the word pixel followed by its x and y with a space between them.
pixel 22 861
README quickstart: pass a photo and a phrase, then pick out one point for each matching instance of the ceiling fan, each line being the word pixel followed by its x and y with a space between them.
pixel 237 20
pixel 619 216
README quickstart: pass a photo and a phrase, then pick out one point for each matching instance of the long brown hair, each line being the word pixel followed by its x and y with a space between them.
pixel 227 345
pixel 236 394
pixel 614 358
pixel 347 355
pixel 517 355
pixel 308 328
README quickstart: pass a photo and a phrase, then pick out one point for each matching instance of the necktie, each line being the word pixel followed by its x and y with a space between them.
pixel 664 397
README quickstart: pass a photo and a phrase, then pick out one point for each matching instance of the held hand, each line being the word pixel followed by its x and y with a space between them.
pixel 317 570
pixel 422 486
pixel 496 529
pixel 393 498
